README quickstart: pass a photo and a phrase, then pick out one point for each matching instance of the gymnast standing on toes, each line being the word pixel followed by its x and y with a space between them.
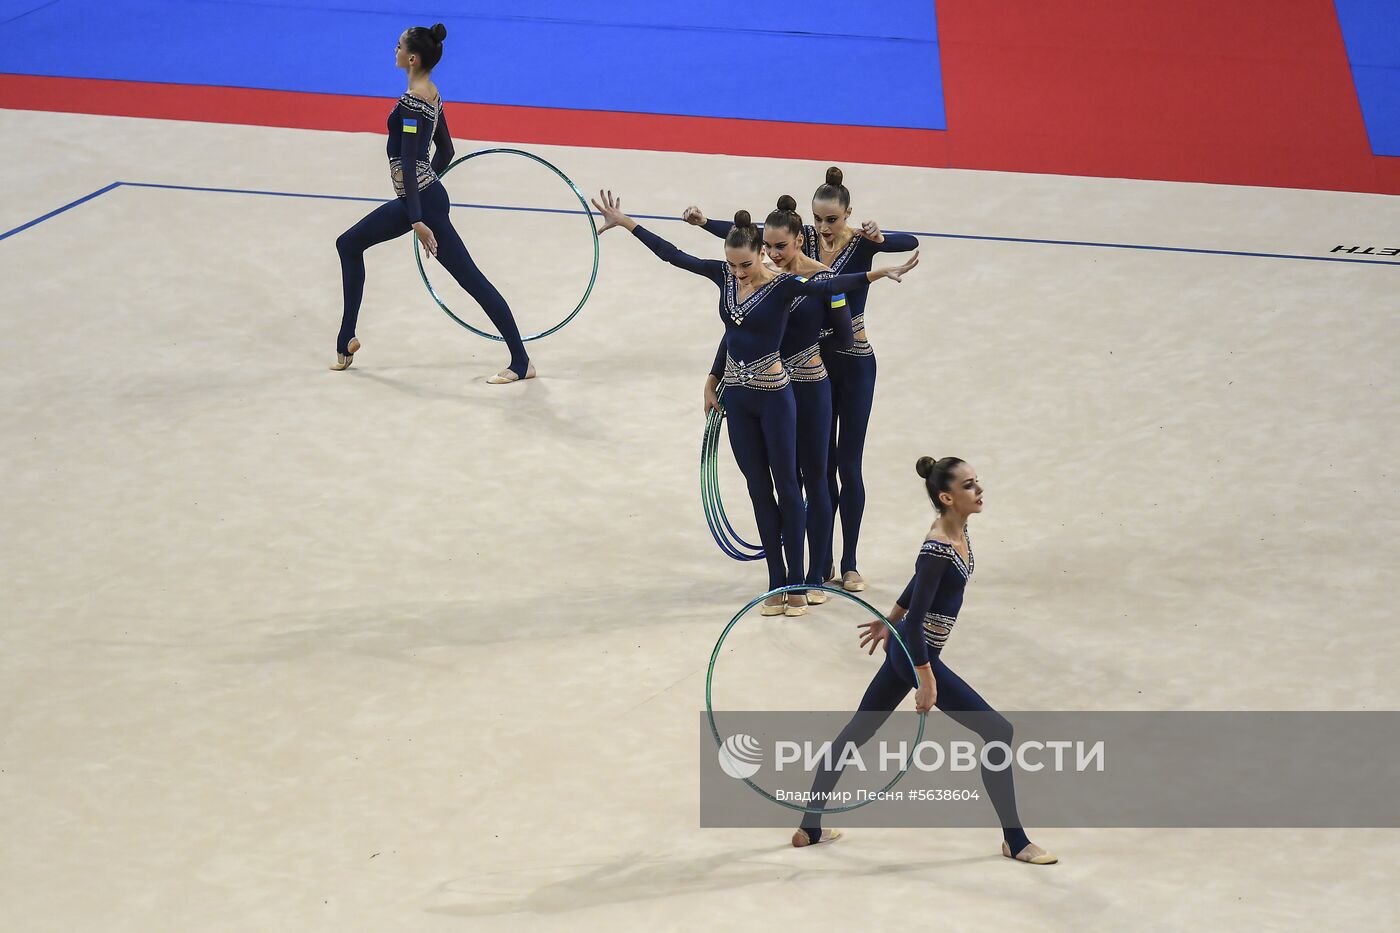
pixel 762 415
pixel 808 319
pixel 925 614
pixel 832 242
pixel 416 122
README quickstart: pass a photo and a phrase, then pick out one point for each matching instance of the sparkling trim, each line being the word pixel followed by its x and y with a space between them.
pixel 943 549
pixel 755 375
pixel 801 366
pixel 426 175
pixel 738 310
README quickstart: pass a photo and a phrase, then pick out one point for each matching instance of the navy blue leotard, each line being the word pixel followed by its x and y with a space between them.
pixel 414 125
pixel 808 320
pixel 760 406
pixel 932 599
pixel 852 371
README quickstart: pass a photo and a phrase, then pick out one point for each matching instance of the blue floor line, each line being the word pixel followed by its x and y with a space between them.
pixel 555 210
pixel 54 213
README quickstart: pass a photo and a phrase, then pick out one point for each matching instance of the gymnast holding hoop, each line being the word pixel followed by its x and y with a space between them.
pixel 925 614
pixel 421 205
pixel 754 304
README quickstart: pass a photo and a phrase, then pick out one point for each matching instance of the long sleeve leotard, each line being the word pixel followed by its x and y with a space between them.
pixel 754 326
pixel 414 126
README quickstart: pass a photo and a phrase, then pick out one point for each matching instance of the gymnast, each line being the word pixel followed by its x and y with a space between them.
pixel 761 412
pixel 850 366
pixel 925 614
pixel 421 205
pixel 809 320
pixel 831 241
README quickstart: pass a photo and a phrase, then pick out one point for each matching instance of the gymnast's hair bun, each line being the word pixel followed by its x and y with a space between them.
pixel 924 466
pixel 439 31
pixel 787 203
pixel 834 176
pixel 742 219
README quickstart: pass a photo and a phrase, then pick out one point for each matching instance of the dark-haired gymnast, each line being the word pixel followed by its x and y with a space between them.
pixel 761 412
pixel 832 242
pixel 850 366
pixel 925 614
pixel 416 122
pixel 809 319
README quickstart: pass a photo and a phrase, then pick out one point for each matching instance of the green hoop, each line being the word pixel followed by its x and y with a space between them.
pixel 592 226
pixel 710 710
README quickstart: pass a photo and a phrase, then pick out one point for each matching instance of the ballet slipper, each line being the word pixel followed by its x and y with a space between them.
pixel 774 609
pixel 851 582
pixel 507 376
pixel 343 360
pixel 800 839
pixel 816 597
pixel 1044 858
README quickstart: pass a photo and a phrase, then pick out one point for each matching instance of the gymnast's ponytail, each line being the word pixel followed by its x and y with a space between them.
pixel 937 476
pixel 744 235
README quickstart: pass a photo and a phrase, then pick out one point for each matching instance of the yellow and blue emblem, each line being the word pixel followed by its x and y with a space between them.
pixel 410 125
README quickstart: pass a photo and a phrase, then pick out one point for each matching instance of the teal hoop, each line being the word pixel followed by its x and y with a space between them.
pixel 710 710
pixel 592 226
pixel 721 529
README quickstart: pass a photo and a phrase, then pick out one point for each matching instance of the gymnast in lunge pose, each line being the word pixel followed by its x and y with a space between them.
pixel 809 319
pixel 416 122
pixel 925 614
pixel 754 304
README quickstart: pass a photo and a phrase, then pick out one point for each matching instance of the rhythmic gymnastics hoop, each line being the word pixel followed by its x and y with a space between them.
pixel 592 226
pixel 710 710
pixel 710 500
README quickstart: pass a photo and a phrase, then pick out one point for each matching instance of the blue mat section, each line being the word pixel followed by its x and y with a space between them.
pixel 854 63
pixel 1371 29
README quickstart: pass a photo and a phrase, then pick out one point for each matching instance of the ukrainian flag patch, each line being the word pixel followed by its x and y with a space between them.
pixel 410 125
pixel 838 301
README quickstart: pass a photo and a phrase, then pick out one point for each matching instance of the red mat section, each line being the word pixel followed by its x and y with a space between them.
pixel 1250 92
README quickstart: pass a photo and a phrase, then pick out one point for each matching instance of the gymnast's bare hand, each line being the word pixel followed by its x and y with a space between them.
pixel 712 396
pixel 693 215
pixel 611 209
pixel 927 695
pixel 896 273
pixel 425 236
pixel 872 231
pixel 876 635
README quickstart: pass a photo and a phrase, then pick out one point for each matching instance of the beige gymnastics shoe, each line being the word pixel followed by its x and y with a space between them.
pixel 343 360
pixel 1031 855
pixel 774 609
pixel 851 582
pixel 800 839
pixel 507 376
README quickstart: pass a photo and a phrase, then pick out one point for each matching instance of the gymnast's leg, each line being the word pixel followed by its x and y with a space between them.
pixel 743 414
pixel 780 437
pixel 886 691
pixel 813 439
pixel 386 222
pixel 453 255
pixel 965 706
pixel 857 395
